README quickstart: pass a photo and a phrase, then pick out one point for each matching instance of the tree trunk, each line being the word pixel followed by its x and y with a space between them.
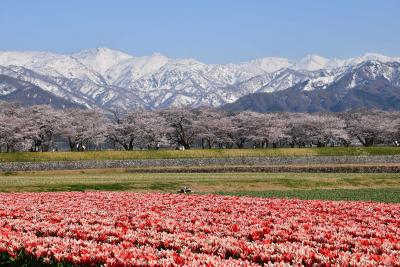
pixel 71 144
pixel 240 142
pixel 320 144
pixel 130 146
pixel 368 141
pixel 209 143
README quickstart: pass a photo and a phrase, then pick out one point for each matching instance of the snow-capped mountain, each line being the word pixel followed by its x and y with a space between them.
pixel 369 84
pixel 50 64
pixel 316 62
pixel 107 78
pixel 101 59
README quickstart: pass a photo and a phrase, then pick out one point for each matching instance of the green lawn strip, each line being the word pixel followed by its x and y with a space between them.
pixel 199 182
pixel 194 153
pixel 388 195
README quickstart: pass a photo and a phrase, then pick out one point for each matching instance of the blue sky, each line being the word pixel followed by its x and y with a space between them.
pixel 213 31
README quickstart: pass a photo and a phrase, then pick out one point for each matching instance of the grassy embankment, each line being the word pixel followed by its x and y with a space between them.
pixel 336 186
pixel 195 153
pixel 384 187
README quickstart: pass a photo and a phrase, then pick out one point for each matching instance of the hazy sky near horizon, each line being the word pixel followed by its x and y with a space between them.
pixel 213 31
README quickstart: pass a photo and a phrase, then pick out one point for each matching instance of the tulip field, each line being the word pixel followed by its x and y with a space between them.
pixel 153 229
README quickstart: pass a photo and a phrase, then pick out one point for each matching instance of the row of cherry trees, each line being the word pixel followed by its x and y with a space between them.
pixel 35 128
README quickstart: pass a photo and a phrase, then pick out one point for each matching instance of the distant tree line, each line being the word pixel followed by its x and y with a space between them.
pixel 36 128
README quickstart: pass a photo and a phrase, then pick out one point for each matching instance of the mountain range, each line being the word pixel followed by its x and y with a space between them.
pixel 368 85
pixel 107 79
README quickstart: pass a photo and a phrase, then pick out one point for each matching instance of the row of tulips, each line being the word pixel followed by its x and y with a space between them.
pixel 127 229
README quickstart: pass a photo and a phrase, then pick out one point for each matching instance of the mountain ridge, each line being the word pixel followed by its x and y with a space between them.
pixel 107 78
pixel 356 88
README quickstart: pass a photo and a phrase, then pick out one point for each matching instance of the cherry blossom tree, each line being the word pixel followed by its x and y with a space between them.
pixel 152 129
pixel 319 129
pixel 333 130
pixel 224 129
pixel 268 128
pixel 299 128
pixel 40 125
pixel 138 129
pixel 82 127
pixel 395 126
pixel 10 108
pixel 183 127
pixel 12 133
pixel 244 127
pixel 209 125
pixel 122 131
pixel 369 127
pixel 45 123
pixel 13 130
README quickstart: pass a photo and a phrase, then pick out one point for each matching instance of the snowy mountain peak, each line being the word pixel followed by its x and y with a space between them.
pixel 20 58
pixel 101 59
pixel 376 56
pixel 373 56
pixel 311 62
pixel 187 63
pixel 52 64
pixel 269 64
pixel 315 58
pixel 99 50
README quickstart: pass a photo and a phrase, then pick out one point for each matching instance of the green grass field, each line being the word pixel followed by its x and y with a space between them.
pixel 383 187
pixel 388 195
pixel 195 153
